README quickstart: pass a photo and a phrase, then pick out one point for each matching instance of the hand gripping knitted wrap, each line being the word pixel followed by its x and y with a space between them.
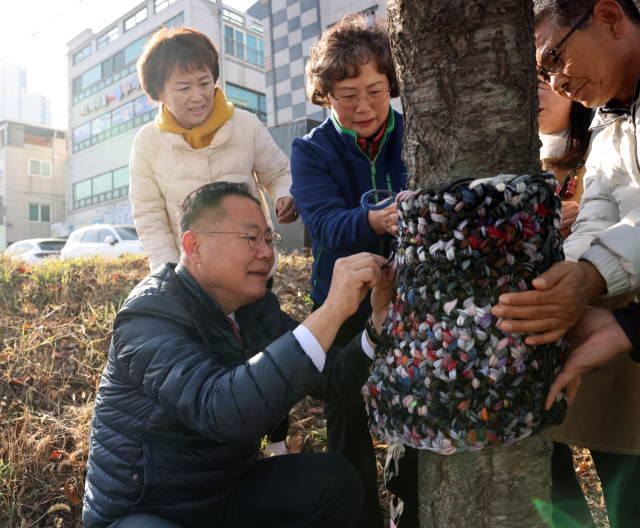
pixel 446 378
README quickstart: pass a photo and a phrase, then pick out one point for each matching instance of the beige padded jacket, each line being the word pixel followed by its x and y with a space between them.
pixel 164 169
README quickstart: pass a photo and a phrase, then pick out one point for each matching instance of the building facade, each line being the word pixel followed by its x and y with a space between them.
pixel 107 106
pixel 16 102
pixel 32 180
pixel 291 29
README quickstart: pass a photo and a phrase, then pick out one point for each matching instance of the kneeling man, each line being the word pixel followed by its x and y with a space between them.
pixel 203 362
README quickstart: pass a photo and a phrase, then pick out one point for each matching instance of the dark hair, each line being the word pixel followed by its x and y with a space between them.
pixel 567 13
pixel 577 140
pixel 342 49
pixel 208 199
pixel 171 47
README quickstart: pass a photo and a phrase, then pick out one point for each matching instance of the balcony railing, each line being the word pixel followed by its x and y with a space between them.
pixel 242 51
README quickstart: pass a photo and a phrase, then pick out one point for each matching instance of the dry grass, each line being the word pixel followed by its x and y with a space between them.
pixel 55 331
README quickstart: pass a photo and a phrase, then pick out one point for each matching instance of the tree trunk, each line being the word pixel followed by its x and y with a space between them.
pixel 469 94
pixel 467 79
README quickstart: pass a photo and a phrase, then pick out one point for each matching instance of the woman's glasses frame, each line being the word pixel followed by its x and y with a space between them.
pixel 348 104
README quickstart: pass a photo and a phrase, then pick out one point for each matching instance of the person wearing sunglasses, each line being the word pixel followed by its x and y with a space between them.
pixel 358 148
pixel 203 362
pixel 588 51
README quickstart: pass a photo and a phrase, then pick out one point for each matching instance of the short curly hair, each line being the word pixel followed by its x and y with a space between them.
pixel 175 46
pixel 342 49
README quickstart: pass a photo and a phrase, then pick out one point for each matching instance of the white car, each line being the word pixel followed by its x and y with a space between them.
pixel 36 249
pixel 103 239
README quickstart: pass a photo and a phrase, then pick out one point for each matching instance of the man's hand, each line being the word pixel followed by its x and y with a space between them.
pixel 352 278
pixel 286 210
pixel 596 339
pixel 559 300
pixel 381 297
pixel 569 214
pixel 385 220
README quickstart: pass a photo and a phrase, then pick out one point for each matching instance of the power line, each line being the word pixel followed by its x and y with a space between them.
pixel 40 30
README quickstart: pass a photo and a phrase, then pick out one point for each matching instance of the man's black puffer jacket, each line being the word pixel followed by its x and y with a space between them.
pixel 180 410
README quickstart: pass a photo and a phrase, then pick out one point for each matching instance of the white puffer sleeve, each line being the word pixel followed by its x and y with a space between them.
pixel 149 207
pixel 597 213
pixel 271 165
pixel 616 254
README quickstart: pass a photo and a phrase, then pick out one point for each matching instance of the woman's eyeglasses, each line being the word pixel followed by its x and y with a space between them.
pixel 374 97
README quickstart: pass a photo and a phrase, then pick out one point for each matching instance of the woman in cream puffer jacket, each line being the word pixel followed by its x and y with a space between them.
pixel 196 138
pixel 164 169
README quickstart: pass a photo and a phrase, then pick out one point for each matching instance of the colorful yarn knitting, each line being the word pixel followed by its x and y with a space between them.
pixel 446 378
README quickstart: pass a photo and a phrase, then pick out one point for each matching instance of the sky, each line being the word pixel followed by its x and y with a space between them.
pixel 35 32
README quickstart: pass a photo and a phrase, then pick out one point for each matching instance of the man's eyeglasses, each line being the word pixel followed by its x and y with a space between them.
pixel 375 97
pixel 255 237
pixel 551 63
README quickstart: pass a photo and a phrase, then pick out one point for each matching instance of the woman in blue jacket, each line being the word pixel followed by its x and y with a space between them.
pixel 357 149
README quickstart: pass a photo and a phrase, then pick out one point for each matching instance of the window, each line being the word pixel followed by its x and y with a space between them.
pixel 107 68
pixel 255 50
pixel 121 115
pixel 110 124
pixel 100 124
pixel 87 79
pixel 82 54
pixel 233 17
pixel 107 38
pixel 109 71
pixel 234 44
pixel 239 44
pixel 77 85
pixel 104 234
pixel 1 171
pixel 82 132
pixel 162 4
pixel 39 168
pixel 257 28
pixel 91 236
pixel 51 245
pixel 134 20
pixel 248 100
pixel 127 233
pixel 39 213
pixel 105 187
pixel 176 21
pixel 133 51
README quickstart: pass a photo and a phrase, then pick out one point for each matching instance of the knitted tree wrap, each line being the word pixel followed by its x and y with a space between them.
pixel 446 378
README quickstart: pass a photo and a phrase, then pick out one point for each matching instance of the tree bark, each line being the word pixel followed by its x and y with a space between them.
pixel 498 487
pixel 469 95
pixel 468 87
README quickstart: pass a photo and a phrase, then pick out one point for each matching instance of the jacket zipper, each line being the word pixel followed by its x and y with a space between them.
pixel 246 352
pixel 372 163
pixel 315 266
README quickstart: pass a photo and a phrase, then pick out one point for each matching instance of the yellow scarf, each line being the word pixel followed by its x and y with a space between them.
pixel 201 135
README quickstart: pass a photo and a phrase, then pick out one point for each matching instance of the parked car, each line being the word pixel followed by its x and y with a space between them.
pixel 36 249
pixel 102 239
